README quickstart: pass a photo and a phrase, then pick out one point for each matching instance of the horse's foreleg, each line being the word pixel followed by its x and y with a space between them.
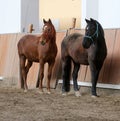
pixel 94 77
pixel 50 67
pixel 41 73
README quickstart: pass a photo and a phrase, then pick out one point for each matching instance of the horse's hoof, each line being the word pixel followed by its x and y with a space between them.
pixel 64 93
pixel 48 92
pixel 40 91
pixel 25 90
pixel 94 96
pixel 77 94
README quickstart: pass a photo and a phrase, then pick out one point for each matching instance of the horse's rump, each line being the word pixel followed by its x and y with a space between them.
pixel 28 50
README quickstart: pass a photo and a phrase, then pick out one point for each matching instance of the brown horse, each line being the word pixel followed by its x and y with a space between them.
pixel 41 49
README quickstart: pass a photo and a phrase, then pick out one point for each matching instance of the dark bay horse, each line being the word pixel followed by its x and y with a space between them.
pixel 87 50
pixel 41 49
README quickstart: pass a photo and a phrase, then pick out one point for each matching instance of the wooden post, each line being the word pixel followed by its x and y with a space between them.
pixel 73 22
pixel 30 28
pixel 72 29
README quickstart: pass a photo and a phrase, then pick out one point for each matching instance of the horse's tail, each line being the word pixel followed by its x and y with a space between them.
pixel 66 75
pixel 38 79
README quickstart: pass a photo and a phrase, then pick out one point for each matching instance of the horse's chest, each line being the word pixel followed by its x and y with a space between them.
pixel 33 56
pixel 48 53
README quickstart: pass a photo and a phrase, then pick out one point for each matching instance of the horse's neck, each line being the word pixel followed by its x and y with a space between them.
pixel 50 38
pixel 101 42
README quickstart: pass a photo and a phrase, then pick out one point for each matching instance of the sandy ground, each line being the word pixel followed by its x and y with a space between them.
pixel 16 105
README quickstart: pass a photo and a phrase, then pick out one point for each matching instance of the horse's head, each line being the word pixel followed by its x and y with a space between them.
pixel 91 33
pixel 48 27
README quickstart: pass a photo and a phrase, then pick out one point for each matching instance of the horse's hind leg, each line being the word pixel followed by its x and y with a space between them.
pixel 38 79
pixel 23 74
pixel 27 67
pixel 66 70
pixel 75 75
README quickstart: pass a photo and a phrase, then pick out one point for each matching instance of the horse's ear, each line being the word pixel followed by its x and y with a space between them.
pixel 50 21
pixel 92 20
pixel 44 21
pixel 87 21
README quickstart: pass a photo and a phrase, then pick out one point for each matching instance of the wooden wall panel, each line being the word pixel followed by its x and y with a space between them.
pixel 114 74
pixel 3 52
pixel 10 70
pixel 9 61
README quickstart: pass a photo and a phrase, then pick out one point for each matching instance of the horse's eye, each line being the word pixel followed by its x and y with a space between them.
pixel 48 29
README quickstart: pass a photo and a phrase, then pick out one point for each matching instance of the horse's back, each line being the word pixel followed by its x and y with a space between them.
pixel 28 46
pixel 71 40
pixel 72 47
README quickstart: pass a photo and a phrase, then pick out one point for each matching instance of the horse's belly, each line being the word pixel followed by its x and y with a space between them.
pixel 32 57
pixel 81 58
pixel 84 62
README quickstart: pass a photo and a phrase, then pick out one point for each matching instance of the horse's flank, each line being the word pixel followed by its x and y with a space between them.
pixel 75 49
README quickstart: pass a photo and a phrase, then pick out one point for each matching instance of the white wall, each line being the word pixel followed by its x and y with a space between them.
pixel 9 16
pixel 92 9
pixel 29 14
pixel 105 11
pixel 16 15
pixel 109 15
